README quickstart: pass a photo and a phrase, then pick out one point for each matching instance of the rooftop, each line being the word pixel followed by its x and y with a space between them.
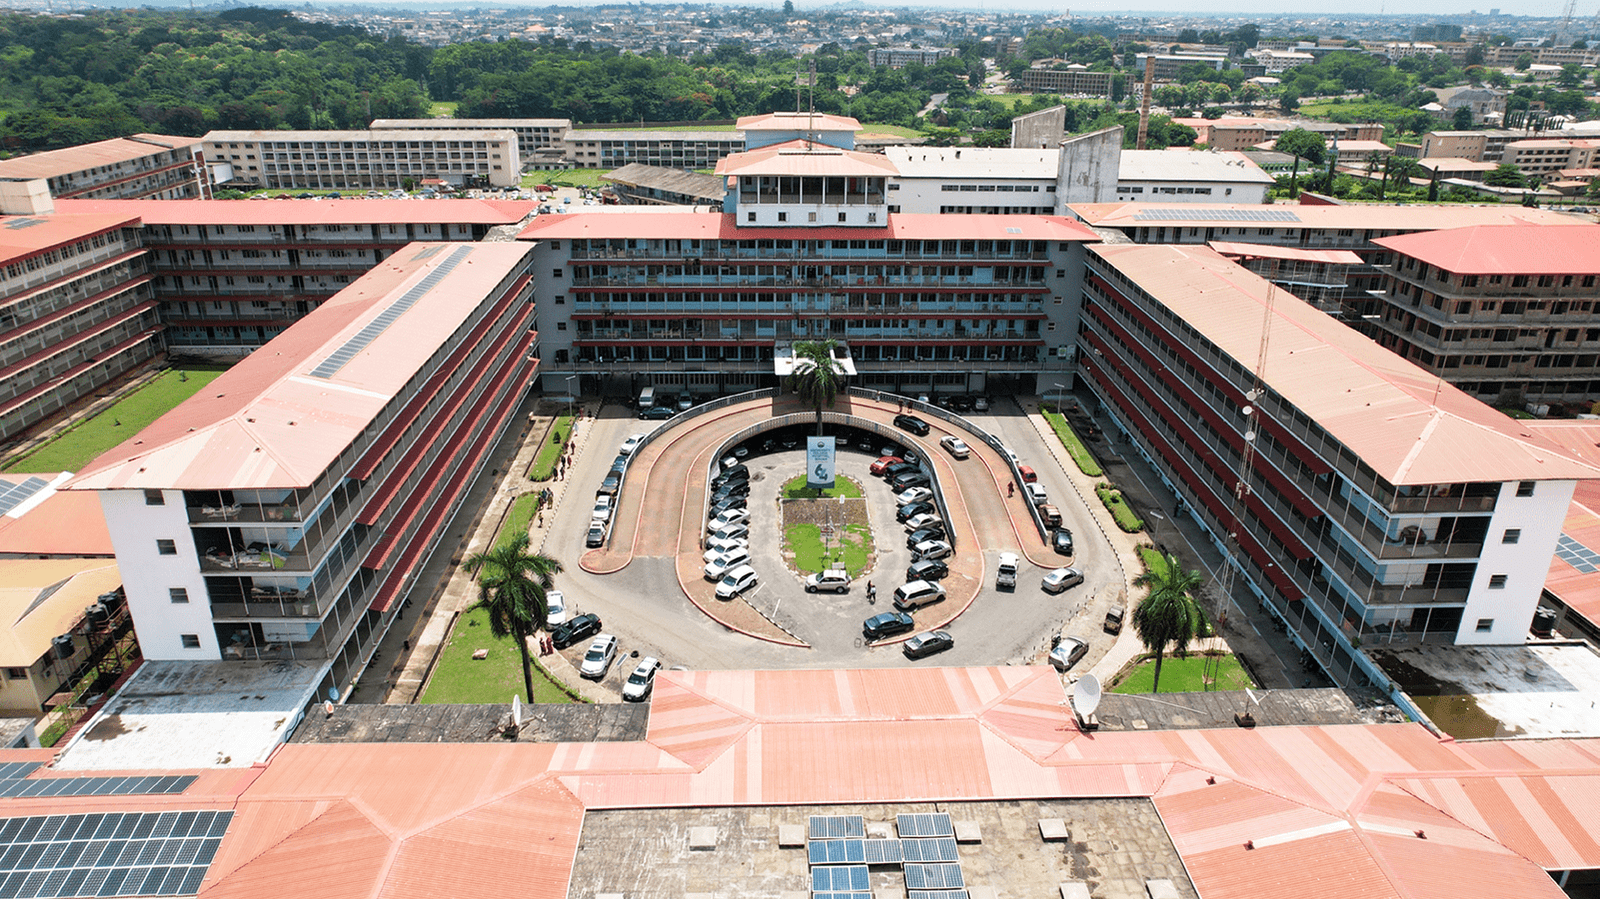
pixel 801 157
pixel 310 212
pixel 1294 254
pixel 488 124
pixel 974 162
pixel 51 522
pixel 364 135
pixel 41 599
pixel 1529 691
pixel 576 722
pixel 1359 217
pixel 721 226
pixel 271 420
pixel 1404 422
pixel 1505 249
pixel 797 121
pixel 694 184
pixel 1186 165
pixel 585 134
pixel 1574 577
pixel 54 163
pixel 22 236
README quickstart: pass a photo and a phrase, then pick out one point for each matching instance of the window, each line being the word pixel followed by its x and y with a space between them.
pixel 190 641
pixel 555 273
pixel 561 326
pixel 783 216
pixel 841 216
pixel 1497 582
pixel 178 594
pixel 1485 625
pixel 749 216
pixel 167 547
pixel 154 498
pixel 1525 488
pixel 17 673
pixel 1512 535
pixel 561 300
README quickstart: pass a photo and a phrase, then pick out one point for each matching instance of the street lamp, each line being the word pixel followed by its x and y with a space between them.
pixel 569 394
pixel 1061 392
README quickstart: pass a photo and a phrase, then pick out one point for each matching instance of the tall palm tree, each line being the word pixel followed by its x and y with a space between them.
pixel 511 588
pixel 817 376
pixel 1168 614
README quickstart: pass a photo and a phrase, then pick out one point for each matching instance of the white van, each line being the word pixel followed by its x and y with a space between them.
pixel 647 398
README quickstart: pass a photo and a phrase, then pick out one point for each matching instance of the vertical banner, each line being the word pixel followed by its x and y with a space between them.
pixel 819 462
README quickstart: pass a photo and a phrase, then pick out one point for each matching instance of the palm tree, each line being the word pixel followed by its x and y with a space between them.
pixel 511 588
pixel 817 376
pixel 1168 614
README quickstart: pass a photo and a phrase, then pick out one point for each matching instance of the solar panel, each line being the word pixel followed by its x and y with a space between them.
pixel 929 849
pixel 1176 214
pixel 937 894
pixel 19 786
pixel 934 877
pixel 1574 553
pixel 836 852
pixel 883 852
pixel 840 879
pixel 152 854
pixel 837 827
pixel 841 896
pixel 364 337
pixel 935 824
pixel 19 224
pixel 14 495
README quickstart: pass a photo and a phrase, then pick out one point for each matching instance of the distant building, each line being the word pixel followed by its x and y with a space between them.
pixel 1168 65
pixel 1177 176
pixel 900 57
pixel 781 127
pixel 1544 157
pixel 670 149
pixel 363 160
pixel 973 180
pixel 1241 133
pixel 1276 62
pixel 535 137
pixel 1486 104
pixel 143 166
pixel 1070 82
pixel 1487 145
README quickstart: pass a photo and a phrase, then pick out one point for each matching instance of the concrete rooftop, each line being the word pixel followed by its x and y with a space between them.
pixel 1477 692
pixel 541 723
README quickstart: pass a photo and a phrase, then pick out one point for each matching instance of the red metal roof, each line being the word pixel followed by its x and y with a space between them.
pixel 68 160
pixel 22 236
pixel 1578 590
pixel 722 226
pixel 804 157
pixel 1296 254
pixel 1359 218
pixel 384 211
pixel 797 121
pixel 66 523
pixel 1505 249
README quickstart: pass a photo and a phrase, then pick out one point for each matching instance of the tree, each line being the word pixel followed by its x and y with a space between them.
pixel 788 7
pixel 1307 145
pixel 1168 614
pixel 1462 118
pixel 817 376
pixel 511 588
pixel 1505 175
pixel 1522 62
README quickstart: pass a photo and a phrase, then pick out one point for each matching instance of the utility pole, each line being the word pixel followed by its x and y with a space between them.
pixel 1144 105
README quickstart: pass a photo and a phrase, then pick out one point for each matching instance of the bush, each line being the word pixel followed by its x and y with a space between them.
pixel 544 464
pixel 1069 438
pixel 1124 515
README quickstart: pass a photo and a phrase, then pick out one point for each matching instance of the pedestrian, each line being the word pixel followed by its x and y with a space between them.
pixel 872 592
pixel 406 645
pixel 1011 489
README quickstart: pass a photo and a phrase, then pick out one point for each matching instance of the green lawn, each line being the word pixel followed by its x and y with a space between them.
pixel 460 679
pixel 849 550
pixel 75 448
pixel 440 109
pixel 1114 502
pixel 795 488
pixel 1154 561
pixel 544 464
pixel 1186 675
pixel 516 523
pixel 1069 438
pixel 896 130
pixel 565 177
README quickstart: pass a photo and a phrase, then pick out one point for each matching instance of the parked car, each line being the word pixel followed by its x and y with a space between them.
pixel 631 444
pixel 736 582
pixel 895 469
pixel 727 504
pixel 1028 474
pixel 736 473
pixel 658 413
pixel 1006 572
pixel 578 628
pixel 1114 617
pixel 927 570
pixel 926 519
pixel 731 530
pixel 912 510
pixel 908 479
pixel 1067 653
pixel 836 580
pixel 924 535
pixel 917 594
pixel 610 486
pixel 1061 541
pixel 732 488
pixel 926 644
pixel 879 467
pixel 555 608
pixel 1050 515
pixel 685 403
pixel 1060 579
pixel 731 516
pixel 718 545
pixel 914 495
pixel 638 685
pixel 1035 494
pixel 741 452
pixel 911 423
pixel 930 549
pixel 729 461
pixel 722 564
pixel 597 661
pixel 887 624
pixel 596 536
pixel 618 464
pixel 980 404
pixel 955 446
pixel 602 509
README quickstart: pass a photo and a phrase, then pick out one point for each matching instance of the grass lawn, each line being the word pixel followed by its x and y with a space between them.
pixel 795 488
pixel 1185 675
pixel 1514 412
pixel 849 551
pixel 1154 561
pixel 565 177
pixel 74 449
pixel 896 130
pixel 690 127
pixel 522 511
pixel 544 464
pixel 459 678
pixel 440 109
pixel 1069 438
pixel 1126 519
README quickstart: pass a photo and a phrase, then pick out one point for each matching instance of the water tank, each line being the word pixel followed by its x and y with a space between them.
pixel 63 646
pixel 112 601
pixel 97 614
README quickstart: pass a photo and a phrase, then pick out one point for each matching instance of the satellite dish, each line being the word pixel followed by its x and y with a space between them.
pixel 1086 695
pixel 516 710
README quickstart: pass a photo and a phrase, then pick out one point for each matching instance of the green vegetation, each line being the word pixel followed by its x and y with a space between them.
pixel 523 508
pixel 1156 561
pixel 849 549
pixel 1118 506
pixel 817 376
pixel 795 488
pixel 1186 675
pixel 1168 614
pixel 544 464
pixel 1069 438
pixel 512 583
pixel 459 678
pixel 77 447
pixel 896 130
pixel 442 109
pixel 566 177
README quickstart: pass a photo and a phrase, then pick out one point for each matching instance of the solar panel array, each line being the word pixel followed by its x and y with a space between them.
pixel 937 894
pixel 342 356
pixel 112 854
pixel 13 495
pixel 17 787
pixel 935 824
pixel 883 852
pixel 1577 555
pixel 934 877
pixel 933 849
pixel 1171 214
pixel 838 827
pixel 840 879
pixel 17 769
pixel 839 854
pixel 841 896
pixel 19 224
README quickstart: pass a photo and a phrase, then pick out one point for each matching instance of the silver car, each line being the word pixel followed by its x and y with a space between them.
pixel 638 685
pixel 597 661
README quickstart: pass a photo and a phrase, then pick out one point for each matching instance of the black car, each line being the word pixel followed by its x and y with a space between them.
pixel 927 570
pixel 736 473
pixel 580 628
pixel 618 464
pixel 864 442
pixel 658 413
pixel 609 486
pixel 912 510
pixel 905 480
pixel 961 403
pixel 887 624
pixel 736 488
pixel 911 423
pixel 726 503
pixel 932 532
pixel 898 468
pixel 1061 541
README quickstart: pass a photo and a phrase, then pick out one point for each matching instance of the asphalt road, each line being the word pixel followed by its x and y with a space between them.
pixel 643 605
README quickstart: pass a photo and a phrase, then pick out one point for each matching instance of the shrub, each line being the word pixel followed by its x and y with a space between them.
pixel 1075 448
pixel 1114 502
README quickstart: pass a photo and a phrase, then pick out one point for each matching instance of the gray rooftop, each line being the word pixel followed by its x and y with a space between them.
pixel 541 723
pixel 663 178
pixel 1192 711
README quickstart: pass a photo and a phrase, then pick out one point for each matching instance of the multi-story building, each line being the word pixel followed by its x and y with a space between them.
pixel 363 160
pixel 900 57
pixel 1357 497
pixel 973 180
pixel 143 166
pixel 1232 134
pixel 807 250
pixel 77 310
pixel 1070 82
pixel 1167 66
pixel 1544 157
pixel 1508 313
pixel 535 137
pixel 676 149
pixel 1176 176
pixel 286 512
pixel 1276 62
pixel 781 127
pixel 231 275
pixel 1488 145
pixel 1486 104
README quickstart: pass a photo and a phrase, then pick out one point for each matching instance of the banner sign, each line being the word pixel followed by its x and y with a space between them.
pixel 819 462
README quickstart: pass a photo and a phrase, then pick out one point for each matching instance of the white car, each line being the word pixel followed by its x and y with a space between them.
pixel 637 687
pixel 602 509
pixel 955 446
pixel 716 546
pixel 736 582
pixel 729 461
pixel 926 519
pixel 930 549
pixel 555 608
pixel 1060 579
pixel 735 530
pixel 597 661
pixel 1036 494
pixel 729 516
pixel 726 562
pixel 631 444
pixel 916 594
pixel 1067 653
pixel 913 495
pixel 980 404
